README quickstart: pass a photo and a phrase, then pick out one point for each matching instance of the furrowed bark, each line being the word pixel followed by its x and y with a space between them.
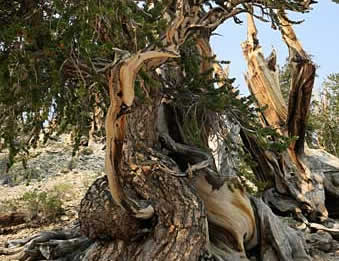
pixel 176 233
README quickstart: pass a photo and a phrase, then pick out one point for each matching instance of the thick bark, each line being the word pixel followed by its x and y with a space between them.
pixel 141 137
pixel 292 174
pixel 134 197
pixel 178 232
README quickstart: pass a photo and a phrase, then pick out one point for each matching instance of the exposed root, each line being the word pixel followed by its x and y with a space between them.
pixel 66 245
pixel 232 225
pixel 278 242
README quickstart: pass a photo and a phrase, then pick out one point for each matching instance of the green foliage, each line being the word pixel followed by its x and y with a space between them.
pixel 61 189
pixel 285 81
pixel 42 206
pixel 200 101
pixel 324 116
pixel 269 139
pixel 207 104
pixel 253 186
pixel 54 56
pixel 50 56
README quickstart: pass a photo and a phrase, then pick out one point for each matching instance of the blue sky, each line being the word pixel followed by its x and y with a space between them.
pixel 319 34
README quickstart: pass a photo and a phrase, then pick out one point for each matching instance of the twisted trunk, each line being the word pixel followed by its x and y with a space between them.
pixel 163 199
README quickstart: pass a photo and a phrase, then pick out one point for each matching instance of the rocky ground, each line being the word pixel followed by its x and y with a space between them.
pixel 320 244
pixel 53 169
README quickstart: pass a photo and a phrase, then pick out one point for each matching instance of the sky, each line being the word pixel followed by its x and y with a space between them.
pixel 319 35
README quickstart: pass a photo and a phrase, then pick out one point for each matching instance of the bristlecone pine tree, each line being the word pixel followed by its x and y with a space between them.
pixel 162 197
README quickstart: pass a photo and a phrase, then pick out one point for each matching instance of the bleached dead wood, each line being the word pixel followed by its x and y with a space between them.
pixel 292 174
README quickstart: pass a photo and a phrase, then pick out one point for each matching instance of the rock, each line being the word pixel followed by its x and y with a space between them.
pixel 6 180
pixel 318 257
pixel 329 223
pixel 320 240
pixel 71 164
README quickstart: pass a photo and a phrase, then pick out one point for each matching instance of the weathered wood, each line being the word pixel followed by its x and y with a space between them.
pixel 11 219
pixel 290 172
pixel 263 80
pixel 13 229
pixel 334 231
pixel 66 244
pixel 121 88
pixel 277 241
pixel 302 80
pixel 178 232
pixel 230 231
pixel 146 209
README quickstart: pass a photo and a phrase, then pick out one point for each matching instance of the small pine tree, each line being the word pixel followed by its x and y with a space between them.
pixel 327 115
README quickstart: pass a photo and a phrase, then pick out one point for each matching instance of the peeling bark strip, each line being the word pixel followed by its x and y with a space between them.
pixel 290 172
pixel 299 103
pixel 121 87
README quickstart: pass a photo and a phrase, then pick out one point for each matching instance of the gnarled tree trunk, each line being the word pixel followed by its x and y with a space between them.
pixel 163 198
